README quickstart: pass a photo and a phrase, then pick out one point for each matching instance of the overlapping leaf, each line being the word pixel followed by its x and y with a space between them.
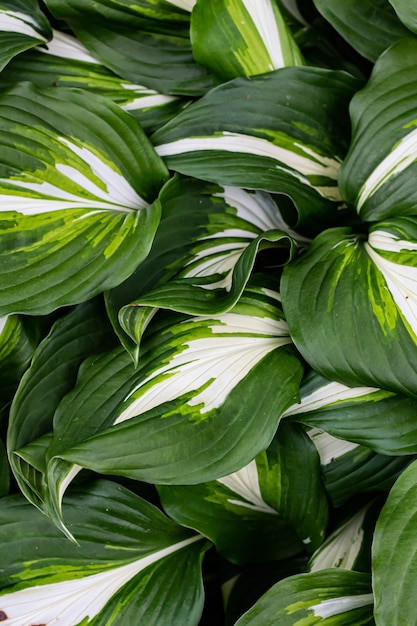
pixel 145 42
pixel 273 507
pixel 332 597
pixel 22 26
pixel 131 563
pixel 378 175
pixel 65 62
pixel 242 38
pixel 77 179
pixel 406 12
pixel 264 133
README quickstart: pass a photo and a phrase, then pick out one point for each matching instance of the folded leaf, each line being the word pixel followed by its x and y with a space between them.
pixel 242 38
pixel 131 562
pixel 22 26
pixel 77 176
pixel 330 597
pixel 289 136
pixel 378 174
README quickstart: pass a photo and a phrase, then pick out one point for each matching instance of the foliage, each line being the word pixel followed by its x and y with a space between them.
pixel 208 301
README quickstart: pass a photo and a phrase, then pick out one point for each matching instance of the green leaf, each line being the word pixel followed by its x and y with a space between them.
pixel 370 26
pixel 379 171
pixel 131 560
pixel 406 12
pixel 77 176
pixel 270 509
pixel 22 26
pixel 52 374
pixel 145 42
pixel 332 597
pixel 65 62
pixel 381 420
pixel 350 306
pixel 4 471
pixel 289 137
pixel 241 37
pixel 394 550
pixel 204 269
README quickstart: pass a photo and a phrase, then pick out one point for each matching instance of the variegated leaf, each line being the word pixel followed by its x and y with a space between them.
pixel 78 180
pixel 242 37
pixel 378 175
pixel 65 62
pixel 278 142
pixel 22 26
pixel 271 508
pixel 122 569
pixel 332 597
pixel 144 41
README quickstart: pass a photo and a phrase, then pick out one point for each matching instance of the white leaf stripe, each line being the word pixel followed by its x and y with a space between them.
pixel 263 18
pixel 3 322
pixel 402 155
pixel 187 5
pixel 337 606
pixel 21 23
pixel 401 279
pixel 329 448
pixel 67 47
pixel 245 483
pixel 257 207
pixel 211 366
pixel 327 395
pixel 70 601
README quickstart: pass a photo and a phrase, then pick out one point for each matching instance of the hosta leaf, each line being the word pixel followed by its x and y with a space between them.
pixel 289 136
pixel 350 305
pixel 131 561
pixel 406 12
pixel 77 176
pixel 349 469
pixel 379 171
pixel 394 551
pixel 22 26
pixel 65 62
pixel 242 38
pixel 378 419
pixel 4 471
pixel 349 545
pixel 53 372
pixel 204 269
pixel 144 42
pixel 370 26
pixel 273 507
pixel 332 596
pixel 199 397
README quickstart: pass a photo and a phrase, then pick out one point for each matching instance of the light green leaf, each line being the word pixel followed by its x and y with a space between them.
pixel 22 26
pixel 350 306
pixel 242 37
pixel 406 12
pixel 379 171
pixel 394 551
pixel 332 597
pixel 65 62
pixel 145 42
pixel 279 142
pixel 128 551
pixel 77 179
pixel 270 509
pixel 370 26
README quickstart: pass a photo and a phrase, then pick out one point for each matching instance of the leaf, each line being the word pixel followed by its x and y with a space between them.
pixel 131 560
pixel 288 138
pixel 204 269
pixel 270 509
pixel 144 42
pixel 65 62
pixel 378 173
pixel 395 544
pixel 76 197
pixel 52 374
pixel 4 471
pixel 241 38
pixel 332 596
pixel 350 306
pixel 406 12
pixel 370 26
pixel 381 420
pixel 22 26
